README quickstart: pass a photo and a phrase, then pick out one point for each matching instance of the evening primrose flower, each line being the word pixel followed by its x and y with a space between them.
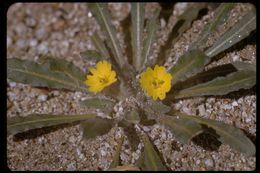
pixel 102 76
pixel 156 82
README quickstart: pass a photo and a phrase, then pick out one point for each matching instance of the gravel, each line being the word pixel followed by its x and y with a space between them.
pixel 63 30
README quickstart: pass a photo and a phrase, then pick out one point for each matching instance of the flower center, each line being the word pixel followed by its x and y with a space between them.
pixel 157 83
pixel 103 80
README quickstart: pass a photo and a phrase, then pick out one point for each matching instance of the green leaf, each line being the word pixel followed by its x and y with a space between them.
pixel 96 127
pixel 91 55
pixel 131 133
pixel 132 116
pixel 220 16
pixel 103 104
pixel 184 22
pixel 51 73
pixel 151 159
pixel 189 64
pixel 221 85
pixel 184 130
pixel 104 19
pixel 33 121
pixel 99 45
pixel 238 32
pixel 158 106
pixel 116 159
pixel 227 134
pixel 212 73
pixel 189 15
pixel 151 29
pixel 244 66
pixel 137 15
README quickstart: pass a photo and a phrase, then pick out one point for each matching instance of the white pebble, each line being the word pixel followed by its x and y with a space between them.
pixel 43 48
pixel 89 14
pixel 12 84
pixel 8 41
pixel 235 58
pixel 248 120
pixel 120 109
pixel 234 104
pixel 240 100
pixel 226 107
pixel 56 93
pixel 42 98
pixel 197 162
pixel 146 129
pixel 163 23
pixel 157 142
pixel 33 42
pixel 103 153
pixel 177 106
pixel 202 110
pixel 78 151
pixel 163 135
pixel 209 163
pixel 72 139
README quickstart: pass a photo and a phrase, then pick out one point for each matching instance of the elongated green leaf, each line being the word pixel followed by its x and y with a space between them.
pixel 239 31
pixel 33 121
pixel 131 133
pixel 152 161
pixel 184 130
pixel 116 159
pixel 151 29
pixel 91 55
pixel 228 134
pixel 212 73
pixel 125 168
pixel 244 66
pixel 221 85
pixel 184 22
pixel 157 106
pixel 96 127
pixel 137 15
pixel 132 116
pixel 100 46
pixel 103 104
pixel 221 15
pixel 51 73
pixel 189 64
pixel 104 19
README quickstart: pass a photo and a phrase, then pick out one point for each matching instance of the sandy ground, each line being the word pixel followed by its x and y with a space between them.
pixel 63 30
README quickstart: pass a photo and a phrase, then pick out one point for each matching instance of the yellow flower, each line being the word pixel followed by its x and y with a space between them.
pixel 102 76
pixel 156 82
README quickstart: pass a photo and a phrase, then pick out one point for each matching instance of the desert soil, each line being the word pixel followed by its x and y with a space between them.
pixel 63 30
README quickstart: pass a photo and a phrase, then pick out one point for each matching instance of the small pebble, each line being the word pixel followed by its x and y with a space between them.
pixel 209 163
pixel 234 104
pixel 197 162
pixel 103 153
pixel 42 98
pixel 33 42
pixel 235 58
pixel 43 48
pixel 202 110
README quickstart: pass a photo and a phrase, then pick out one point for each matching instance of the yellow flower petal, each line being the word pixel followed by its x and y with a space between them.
pixel 102 76
pixel 156 83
